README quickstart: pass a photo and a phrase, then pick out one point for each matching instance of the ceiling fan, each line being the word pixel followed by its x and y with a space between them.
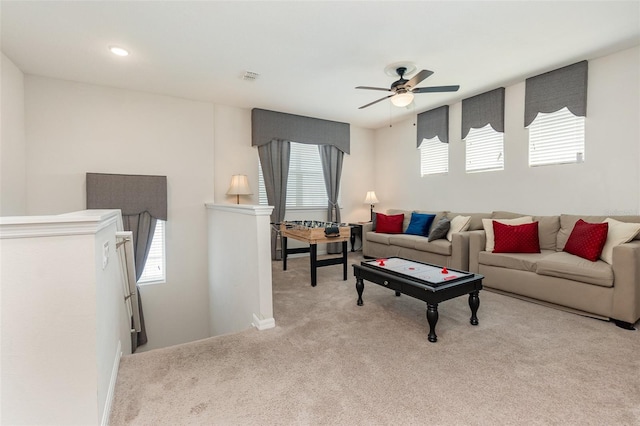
pixel 403 89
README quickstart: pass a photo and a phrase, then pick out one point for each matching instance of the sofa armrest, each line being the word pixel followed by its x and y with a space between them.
pixel 626 287
pixel 366 227
pixel 477 243
pixel 460 250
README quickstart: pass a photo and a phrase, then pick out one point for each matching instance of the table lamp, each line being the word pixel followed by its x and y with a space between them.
pixel 371 199
pixel 239 186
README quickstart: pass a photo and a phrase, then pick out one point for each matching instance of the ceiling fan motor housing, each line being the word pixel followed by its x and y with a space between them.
pixel 401 81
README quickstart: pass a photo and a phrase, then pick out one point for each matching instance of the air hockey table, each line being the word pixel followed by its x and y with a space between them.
pixel 430 283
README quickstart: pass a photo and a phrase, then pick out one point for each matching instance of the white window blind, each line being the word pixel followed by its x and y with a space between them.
pixel 434 157
pixel 305 184
pixel 556 138
pixel 154 269
pixel 484 150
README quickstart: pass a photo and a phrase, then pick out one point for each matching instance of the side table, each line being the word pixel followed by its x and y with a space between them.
pixel 356 231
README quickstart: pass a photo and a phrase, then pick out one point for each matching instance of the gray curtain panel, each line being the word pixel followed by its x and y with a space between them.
pixel 483 109
pixel 268 125
pixel 142 227
pixel 332 159
pixel 554 90
pixel 142 200
pixel 274 160
pixel 433 123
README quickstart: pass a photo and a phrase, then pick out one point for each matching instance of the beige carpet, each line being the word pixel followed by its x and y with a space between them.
pixel 330 362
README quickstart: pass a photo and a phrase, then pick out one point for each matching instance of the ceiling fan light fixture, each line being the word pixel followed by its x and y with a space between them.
pixel 402 99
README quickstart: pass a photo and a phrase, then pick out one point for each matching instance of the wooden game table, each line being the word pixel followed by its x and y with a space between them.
pixel 429 283
pixel 312 233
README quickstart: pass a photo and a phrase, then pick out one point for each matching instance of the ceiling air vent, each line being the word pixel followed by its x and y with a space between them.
pixel 250 76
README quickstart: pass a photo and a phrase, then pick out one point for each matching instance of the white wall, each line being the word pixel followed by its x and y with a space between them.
pixel 74 128
pixel 13 165
pixel 608 182
pixel 240 286
pixel 234 154
pixel 64 321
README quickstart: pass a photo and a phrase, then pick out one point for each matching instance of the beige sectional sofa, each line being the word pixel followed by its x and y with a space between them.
pixel 454 254
pixel 553 277
pixel 556 277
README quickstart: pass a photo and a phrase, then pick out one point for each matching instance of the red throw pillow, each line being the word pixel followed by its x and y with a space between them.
pixel 389 224
pixel 587 239
pixel 516 238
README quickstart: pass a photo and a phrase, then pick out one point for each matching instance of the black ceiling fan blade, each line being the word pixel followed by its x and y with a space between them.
pixel 416 79
pixel 436 89
pixel 375 102
pixel 373 88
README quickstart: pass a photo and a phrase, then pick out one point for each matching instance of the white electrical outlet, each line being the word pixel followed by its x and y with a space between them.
pixel 105 254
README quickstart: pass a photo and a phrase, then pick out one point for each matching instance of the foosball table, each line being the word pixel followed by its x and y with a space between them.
pixel 315 232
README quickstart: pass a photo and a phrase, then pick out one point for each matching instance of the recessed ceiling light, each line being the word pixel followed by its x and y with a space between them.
pixel 118 51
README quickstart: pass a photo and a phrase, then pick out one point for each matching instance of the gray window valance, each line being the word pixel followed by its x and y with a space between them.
pixel 434 123
pixel 483 109
pixel 554 90
pixel 133 194
pixel 268 125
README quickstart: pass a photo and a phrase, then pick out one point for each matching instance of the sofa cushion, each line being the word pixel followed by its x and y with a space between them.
pixel 404 240
pixel 619 233
pixel 516 238
pixel 420 224
pixel 378 237
pixel 548 227
pixel 587 239
pixel 488 228
pixel 441 246
pixel 565 265
pixel 389 224
pixel 440 230
pixel 518 261
pixel 458 224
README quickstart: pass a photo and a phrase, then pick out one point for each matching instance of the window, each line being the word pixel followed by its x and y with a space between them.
pixel 154 269
pixel 434 157
pixel 484 150
pixel 556 138
pixel 305 184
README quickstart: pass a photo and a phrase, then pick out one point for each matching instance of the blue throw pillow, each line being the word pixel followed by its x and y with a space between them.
pixel 420 224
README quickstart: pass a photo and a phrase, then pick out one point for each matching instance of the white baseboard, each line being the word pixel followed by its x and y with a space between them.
pixel 263 324
pixel 112 386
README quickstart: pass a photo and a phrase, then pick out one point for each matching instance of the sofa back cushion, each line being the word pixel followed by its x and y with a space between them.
pixel 567 221
pixel 476 219
pixel 548 227
pixel 407 217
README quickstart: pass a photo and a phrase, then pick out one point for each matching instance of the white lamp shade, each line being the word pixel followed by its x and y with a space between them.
pixel 402 99
pixel 371 198
pixel 239 185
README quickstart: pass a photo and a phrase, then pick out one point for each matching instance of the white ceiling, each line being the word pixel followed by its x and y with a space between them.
pixel 310 55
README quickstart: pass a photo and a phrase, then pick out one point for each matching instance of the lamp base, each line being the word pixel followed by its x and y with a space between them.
pixel 371 212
